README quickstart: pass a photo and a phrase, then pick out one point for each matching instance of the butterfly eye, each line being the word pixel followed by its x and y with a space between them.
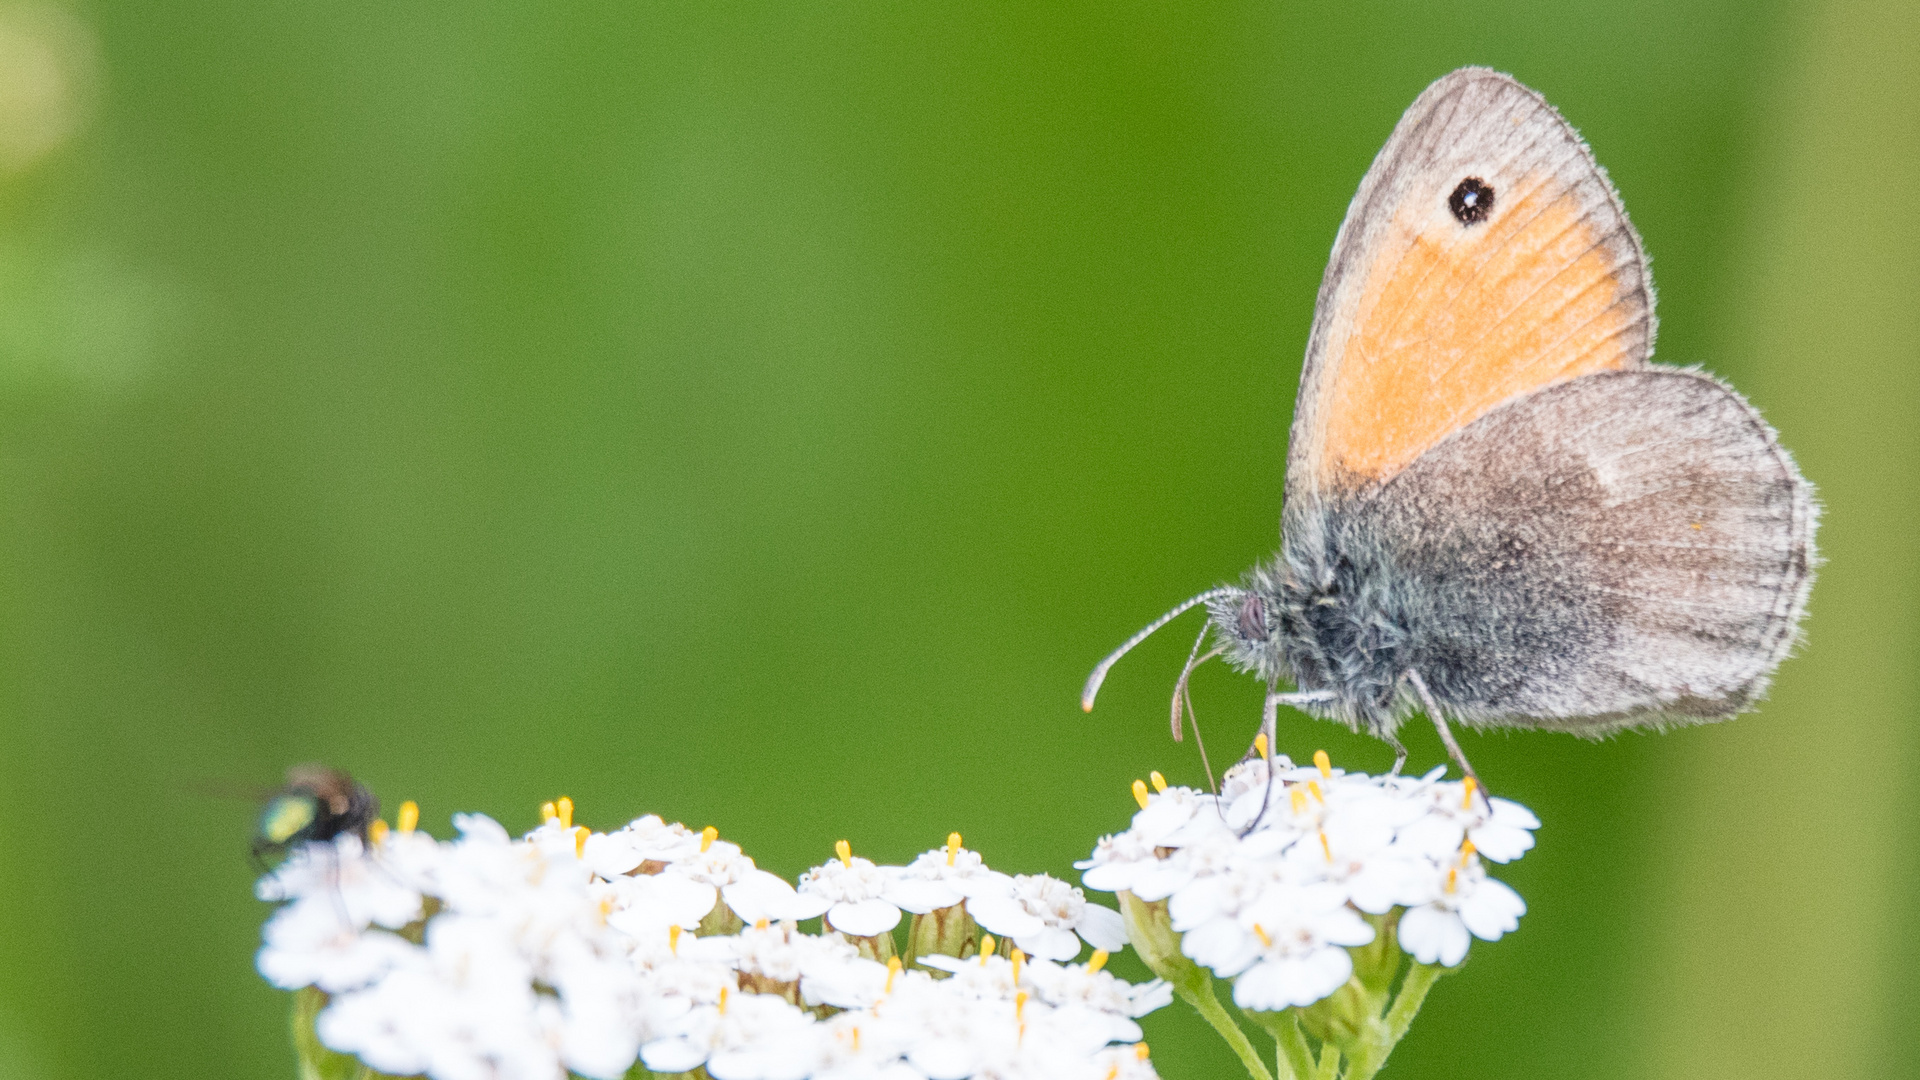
pixel 1472 201
pixel 1253 619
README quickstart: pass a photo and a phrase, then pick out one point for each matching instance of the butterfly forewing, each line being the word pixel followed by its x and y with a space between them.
pixel 1485 256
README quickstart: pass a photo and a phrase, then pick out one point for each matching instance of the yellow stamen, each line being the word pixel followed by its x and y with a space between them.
pixel 1453 879
pixel 723 1001
pixel 377 832
pixel 893 968
pixel 1140 793
pixel 409 817
pixel 563 806
pixel 760 924
pixel 547 812
pixel 845 851
pixel 1323 846
pixel 1260 745
pixel 1466 849
pixel 1159 782
pixel 1020 1006
pixel 856 1040
pixel 580 835
pixel 1097 961
pixel 1019 958
pixel 953 846
pixel 986 949
pixel 1140 1051
pixel 1113 1072
pixel 1314 786
pixel 1261 933
pixel 1466 801
pixel 1299 799
pixel 1324 763
pixel 673 940
pixel 707 836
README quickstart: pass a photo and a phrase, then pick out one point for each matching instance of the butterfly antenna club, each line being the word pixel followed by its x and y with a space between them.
pixel 1100 673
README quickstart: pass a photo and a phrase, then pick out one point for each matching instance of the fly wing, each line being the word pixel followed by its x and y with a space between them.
pixel 1485 256
pixel 1623 548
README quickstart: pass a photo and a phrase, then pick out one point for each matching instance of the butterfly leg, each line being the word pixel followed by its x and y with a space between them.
pixel 1446 733
pixel 1269 725
pixel 1270 720
pixel 1305 697
pixel 1399 753
pixel 1270 714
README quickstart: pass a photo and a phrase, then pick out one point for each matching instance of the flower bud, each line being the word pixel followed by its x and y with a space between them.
pixel 1376 963
pixel 1344 1018
pixel 947 931
pixel 1151 932
pixel 719 922
pixel 876 947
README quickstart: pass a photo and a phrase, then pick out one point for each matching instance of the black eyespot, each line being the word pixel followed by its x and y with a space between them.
pixel 1472 201
pixel 1253 619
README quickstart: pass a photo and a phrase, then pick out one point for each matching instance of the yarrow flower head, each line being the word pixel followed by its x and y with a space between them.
pixel 1305 885
pixel 856 896
pixel 567 951
pixel 944 877
pixel 1047 917
pixel 573 951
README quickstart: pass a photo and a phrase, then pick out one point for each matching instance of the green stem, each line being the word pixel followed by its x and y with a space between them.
pixel 1329 1062
pixel 1199 994
pixel 1413 993
pixel 316 1062
pixel 1296 1057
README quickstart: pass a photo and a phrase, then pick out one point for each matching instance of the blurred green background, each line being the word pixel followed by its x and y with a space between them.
pixel 764 414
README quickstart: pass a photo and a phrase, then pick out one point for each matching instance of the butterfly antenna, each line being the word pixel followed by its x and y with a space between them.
pixel 1194 660
pixel 1202 744
pixel 1100 673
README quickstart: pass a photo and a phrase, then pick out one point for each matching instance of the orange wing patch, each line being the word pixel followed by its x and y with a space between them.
pixel 1466 318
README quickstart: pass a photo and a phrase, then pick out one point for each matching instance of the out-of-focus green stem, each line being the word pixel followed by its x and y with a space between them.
pixel 1329 1063
pixel 1372 1054
pixel 1295 1058
pixel 316 1062
pixel 1199 993
pixel 1151 933
pixel 1413 994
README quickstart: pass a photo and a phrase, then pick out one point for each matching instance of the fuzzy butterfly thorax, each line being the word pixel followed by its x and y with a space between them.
pixel 1324 620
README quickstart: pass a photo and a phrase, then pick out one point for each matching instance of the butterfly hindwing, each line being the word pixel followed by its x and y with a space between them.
pixel 1621 548
pixel 1485 255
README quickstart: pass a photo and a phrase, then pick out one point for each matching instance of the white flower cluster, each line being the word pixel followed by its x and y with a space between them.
pixel 491 958
pixel 1268 881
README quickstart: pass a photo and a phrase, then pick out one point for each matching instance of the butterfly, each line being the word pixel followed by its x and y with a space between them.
pixel 1497 511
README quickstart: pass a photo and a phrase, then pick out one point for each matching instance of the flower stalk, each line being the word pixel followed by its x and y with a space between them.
pixel 313 1059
